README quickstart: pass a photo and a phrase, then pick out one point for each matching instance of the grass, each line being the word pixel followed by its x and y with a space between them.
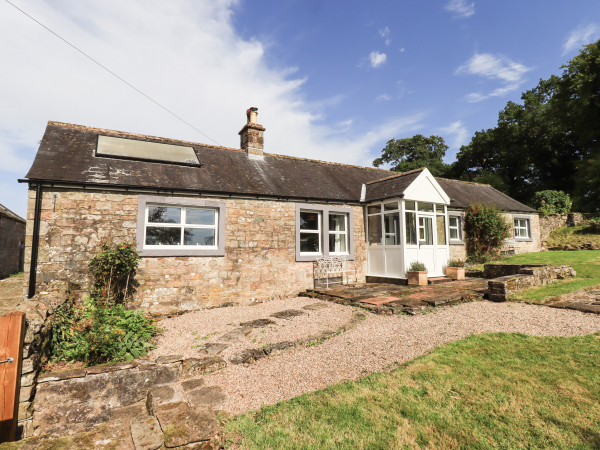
pixel 487 391
pixel 572 236
pixel 585 262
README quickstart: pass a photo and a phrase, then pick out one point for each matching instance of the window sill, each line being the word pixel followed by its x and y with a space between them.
pixel 181 252
pixel 523 239
pixel 457 242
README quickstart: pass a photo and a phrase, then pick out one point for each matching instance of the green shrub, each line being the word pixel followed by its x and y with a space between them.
pixel 485 231
pixel 456 263
pixel 101 329
pixel 97 334
pixel 552 202
pixel 113 269
pixel 417 266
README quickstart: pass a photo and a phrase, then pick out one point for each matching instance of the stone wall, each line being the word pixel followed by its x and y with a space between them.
pixel 457 251
pixel 142 403
pixel 523 246
pixel 259 262
pixel 506 279
pixel 554 221
pixel 12 237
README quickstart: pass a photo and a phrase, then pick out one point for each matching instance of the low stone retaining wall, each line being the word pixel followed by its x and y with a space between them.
pixel 506 279
pixel 144 404
pixel 550 223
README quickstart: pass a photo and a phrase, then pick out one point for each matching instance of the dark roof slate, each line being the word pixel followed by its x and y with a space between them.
pixel 67 154
pixel 463 193
pixel 4 211
pixel 391 186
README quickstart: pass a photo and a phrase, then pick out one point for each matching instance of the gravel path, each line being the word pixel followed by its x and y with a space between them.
pixel 378 343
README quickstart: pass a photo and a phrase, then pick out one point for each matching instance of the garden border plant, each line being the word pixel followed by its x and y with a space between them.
pixel 101 329
pixel 485 231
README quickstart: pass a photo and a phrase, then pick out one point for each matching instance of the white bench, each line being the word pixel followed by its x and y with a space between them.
pixel 333 270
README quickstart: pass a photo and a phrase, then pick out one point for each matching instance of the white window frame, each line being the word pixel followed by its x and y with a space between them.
pixel 182 225
pixel 458 228
pixel 335 233
pixel 518 228
pixel 324 211
pixel 311 231
pixel 180 250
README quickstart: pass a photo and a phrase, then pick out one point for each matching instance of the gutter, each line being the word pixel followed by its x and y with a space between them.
pixel 36 241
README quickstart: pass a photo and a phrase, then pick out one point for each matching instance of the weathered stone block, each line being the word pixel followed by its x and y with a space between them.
pixel 146 433
pixel 184 425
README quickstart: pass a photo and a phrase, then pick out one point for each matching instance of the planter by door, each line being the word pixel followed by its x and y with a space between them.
pixel 456 273
pixel 417 278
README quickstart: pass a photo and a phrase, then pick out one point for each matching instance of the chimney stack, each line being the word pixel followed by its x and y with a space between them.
pixel 252 135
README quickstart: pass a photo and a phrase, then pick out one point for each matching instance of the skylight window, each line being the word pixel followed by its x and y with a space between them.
pixel 145 151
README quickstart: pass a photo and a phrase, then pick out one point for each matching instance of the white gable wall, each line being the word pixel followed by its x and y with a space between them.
pixel 425 188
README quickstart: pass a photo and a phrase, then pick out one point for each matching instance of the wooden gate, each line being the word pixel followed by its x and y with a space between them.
pixel 12 333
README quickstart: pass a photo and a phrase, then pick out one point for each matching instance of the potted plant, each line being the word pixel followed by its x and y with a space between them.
pixel 456 269
pixel 417 274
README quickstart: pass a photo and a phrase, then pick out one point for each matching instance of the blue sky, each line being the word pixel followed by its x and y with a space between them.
pixel 332 80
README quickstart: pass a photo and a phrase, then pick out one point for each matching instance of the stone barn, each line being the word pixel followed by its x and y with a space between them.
pixel 12 242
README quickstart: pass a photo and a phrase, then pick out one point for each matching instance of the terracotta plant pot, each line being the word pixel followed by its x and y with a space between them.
pixel 417 278
pixel 456 273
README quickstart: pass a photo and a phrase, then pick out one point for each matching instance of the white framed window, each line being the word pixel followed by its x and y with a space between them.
pixel 174 226
pixel 338 234
pixel 522 228
pixel 177 226
pixel 323 230
pixel 455 228
pixel 310 232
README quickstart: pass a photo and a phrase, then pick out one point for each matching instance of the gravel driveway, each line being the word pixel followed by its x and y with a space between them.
pixel 381 342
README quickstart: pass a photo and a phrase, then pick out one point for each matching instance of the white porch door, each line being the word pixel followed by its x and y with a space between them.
pixel 426 252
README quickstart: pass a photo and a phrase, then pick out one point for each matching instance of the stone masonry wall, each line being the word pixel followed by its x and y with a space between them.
pixel 12 234
pixel 550 223
pixel 525 246
pixel 259 262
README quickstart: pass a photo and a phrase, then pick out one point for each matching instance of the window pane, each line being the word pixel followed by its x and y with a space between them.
pixel 426 207
pixel 164 214
pixel 163 236
pixel 200 216
pixel 390 206
pixel 441 229
pixel 409 205
pixel 309 242
pixel 337 222
pixel 454 234
pixel 337 243
pixel 309 220
pixel 375 230
pixel 425 231
pixel 392 228
pixel 199 236
pixel 453 221
pixel 373 209
pixel 411 229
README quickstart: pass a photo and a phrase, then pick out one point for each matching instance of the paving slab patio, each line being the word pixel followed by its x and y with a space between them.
pixel 384 298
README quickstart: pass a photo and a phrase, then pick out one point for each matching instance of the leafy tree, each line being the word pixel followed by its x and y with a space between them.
pixel 552 202
pixel 413 153
pixel 548 142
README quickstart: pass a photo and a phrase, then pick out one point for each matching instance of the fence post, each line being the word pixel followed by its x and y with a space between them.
pixel 12 334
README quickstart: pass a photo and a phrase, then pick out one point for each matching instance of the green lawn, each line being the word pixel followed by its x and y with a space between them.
pixel 585 262
pixel 572 236
pixel 488 391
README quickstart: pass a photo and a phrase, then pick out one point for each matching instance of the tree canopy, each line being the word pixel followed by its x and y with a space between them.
pixel 551 141
pixel 413 153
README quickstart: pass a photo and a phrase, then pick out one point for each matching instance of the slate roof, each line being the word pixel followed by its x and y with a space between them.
pixel 462 193
pixel 390 186
pixel 4 211
pixel 67 155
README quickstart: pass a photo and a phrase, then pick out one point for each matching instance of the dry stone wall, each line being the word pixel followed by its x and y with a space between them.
pixel 259 262
pixel 554 221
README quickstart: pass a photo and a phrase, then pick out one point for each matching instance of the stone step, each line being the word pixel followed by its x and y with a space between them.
pixel 438 280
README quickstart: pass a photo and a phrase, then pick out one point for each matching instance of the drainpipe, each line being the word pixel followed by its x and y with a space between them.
pixel 36 240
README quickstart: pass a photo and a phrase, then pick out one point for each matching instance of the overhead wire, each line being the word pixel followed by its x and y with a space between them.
pixel 111 72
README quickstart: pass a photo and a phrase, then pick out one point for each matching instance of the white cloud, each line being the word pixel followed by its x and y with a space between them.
pixel 581 36
pixel 461 8
pixel 377 59
pixel 458 132
pixel 494 68
pixel 385 35
pixel 383 97
pixel 185 54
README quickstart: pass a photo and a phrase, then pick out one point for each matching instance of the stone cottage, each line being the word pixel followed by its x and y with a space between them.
pixel 216 225
pixel 12 242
